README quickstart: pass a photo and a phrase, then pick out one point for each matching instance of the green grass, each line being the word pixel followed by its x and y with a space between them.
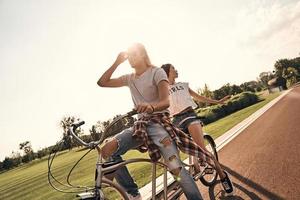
pixel 29 181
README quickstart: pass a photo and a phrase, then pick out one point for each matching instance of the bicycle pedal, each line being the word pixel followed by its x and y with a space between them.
pixel 176 187
pixel 196 178
pixel 209 170
pixel 86 195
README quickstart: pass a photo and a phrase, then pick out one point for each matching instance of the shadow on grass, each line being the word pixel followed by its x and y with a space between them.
pixel 82 149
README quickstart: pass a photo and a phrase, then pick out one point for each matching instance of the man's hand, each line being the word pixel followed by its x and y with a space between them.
pixel 121 58
pixel 145 108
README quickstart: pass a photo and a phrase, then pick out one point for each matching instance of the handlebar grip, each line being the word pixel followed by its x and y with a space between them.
pixel 72 130
pixel 133 112
pixel 76 125
pixel 81 123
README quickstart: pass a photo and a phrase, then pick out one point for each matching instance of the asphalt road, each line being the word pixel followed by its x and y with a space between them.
pixel 264 160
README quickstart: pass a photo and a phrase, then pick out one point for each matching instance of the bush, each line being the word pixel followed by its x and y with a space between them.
pixel 237 102
pixel 7 163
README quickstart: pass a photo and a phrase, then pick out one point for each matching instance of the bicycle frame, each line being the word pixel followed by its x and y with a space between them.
pixel 101 171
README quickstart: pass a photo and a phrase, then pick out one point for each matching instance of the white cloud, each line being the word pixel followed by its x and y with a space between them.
pixel 269 27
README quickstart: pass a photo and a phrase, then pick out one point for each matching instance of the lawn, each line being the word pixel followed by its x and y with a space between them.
pixel 29 181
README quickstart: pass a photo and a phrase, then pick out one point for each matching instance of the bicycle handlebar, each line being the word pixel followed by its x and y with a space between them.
pixel 72 130
pixel 76 125
pixel 131 113
pixel 93 144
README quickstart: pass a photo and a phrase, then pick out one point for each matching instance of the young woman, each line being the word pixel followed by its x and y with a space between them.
pixel 149 91
pixel 184 117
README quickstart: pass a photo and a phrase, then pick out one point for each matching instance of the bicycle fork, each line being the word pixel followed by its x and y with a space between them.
pixel 98 177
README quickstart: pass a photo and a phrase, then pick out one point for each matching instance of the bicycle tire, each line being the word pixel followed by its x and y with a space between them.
pixel 110 191
pixel 210 179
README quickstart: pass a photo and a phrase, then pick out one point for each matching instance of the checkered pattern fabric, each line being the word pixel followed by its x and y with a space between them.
pixel 184 142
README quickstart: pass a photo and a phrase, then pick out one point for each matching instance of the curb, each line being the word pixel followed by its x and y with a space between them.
pixel 225 138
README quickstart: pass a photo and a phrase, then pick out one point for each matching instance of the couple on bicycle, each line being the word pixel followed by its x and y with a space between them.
pixel 155 95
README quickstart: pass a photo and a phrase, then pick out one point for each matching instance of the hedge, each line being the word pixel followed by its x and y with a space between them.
pixel 237 102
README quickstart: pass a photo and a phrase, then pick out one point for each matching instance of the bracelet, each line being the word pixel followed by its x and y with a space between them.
pixel 152 108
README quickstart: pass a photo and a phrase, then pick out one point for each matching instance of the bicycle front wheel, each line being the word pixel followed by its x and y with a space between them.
pixel 111 191
pixel 209 175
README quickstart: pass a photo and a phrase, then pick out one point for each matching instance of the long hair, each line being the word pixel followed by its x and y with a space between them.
pixel 166 67
pixel 141 48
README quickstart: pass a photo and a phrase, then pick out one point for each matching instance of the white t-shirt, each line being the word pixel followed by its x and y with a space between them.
pixel 180 98
pixel 144 88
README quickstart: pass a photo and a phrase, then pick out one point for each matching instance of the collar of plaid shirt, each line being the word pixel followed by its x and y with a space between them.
pixel 183 141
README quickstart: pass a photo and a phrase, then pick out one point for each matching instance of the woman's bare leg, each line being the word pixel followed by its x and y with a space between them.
pixel 197 134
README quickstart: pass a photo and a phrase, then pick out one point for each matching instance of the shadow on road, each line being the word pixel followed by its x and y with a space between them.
pixel 222 195
pixel 250 195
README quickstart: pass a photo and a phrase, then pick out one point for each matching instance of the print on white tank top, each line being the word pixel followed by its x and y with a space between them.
pixel 180 98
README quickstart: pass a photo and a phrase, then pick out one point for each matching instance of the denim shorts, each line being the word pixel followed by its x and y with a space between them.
pixel 185 119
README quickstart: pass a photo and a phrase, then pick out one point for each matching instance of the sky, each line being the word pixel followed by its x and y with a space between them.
pixel 52 52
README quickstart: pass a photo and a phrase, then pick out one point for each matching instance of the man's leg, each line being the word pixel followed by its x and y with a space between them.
pixel 169 151
pixel 113 150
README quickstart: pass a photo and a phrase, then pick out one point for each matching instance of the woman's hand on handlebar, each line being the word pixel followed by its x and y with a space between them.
pixel 145 108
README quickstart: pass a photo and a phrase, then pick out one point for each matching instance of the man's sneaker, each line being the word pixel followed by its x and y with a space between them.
pixel 134 197
pixel 227 184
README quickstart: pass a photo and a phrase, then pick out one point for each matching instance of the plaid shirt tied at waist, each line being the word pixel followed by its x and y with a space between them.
pixel 184 142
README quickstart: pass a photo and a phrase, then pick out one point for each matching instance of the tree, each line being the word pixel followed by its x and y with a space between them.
pixel 26 147
pixel 28 151
pixel 65 123
pixel 7 163
pixel 16 158
pixel 204 92
pixel 235 90
pixel 281 65
pixel 264 78
pixel 249 86
pixel 94 134
pixel 288 69
pixel 43 152
pixel 291 75
pixel 296 64
pixel 222 92
pixel 101 127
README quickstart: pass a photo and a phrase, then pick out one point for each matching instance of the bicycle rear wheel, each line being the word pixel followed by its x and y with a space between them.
pixel 209 175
